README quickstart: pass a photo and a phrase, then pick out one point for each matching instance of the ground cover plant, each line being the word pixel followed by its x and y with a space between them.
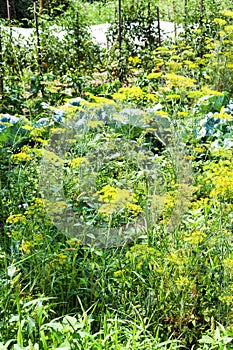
pixel 116 187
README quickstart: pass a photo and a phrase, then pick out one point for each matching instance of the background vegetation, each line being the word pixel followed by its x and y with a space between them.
pixel 133 145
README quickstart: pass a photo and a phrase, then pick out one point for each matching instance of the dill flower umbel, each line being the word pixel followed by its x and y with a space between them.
pixel 21 157
pixel 115 199
pixel 16 219
pixel 227 13
pixel 154 75
pixel 134 93
pixel 179 80
pixel 76 162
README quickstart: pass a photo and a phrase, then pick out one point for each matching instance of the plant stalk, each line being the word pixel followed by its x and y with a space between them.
pixel 120 25
pixel 158 26
pixel 1 65
pixel 8 7
pixel 39 54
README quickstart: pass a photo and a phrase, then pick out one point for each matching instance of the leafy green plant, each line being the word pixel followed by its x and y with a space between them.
pixel 219 339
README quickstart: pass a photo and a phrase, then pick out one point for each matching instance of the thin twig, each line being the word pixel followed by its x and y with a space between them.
pixel 39 54
pixel 1 64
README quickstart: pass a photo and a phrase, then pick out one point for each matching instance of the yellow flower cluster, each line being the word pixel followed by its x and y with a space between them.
pixel 54 208
pixel 223 115
pixel 221 22
pixel 99 100
pixel 134 208
pixel 36 211
pixel 109 194
pixel 154 75
pixel 116 199
pixel 135 60
pixel 179 80
pixel 182 282
pixel 16 219
pixel 227 13
pixel 37 132
pixel 27 127
pixel 21 157
pixel 61 258
pixel 142 255
pixel 195 237
pixel 76 162
pixel 26 246
pixel 220 176
pixel 226 299
pixel 95 123
pixel 69 110
pixel 119 273
pixel 177 258
pixel 52 158
pixel 134 93
pixel 228 264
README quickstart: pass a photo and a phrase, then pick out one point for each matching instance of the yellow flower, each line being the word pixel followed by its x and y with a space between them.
pixel 227 299
pixel 52 158
pixel 57 131
pixel 173 96
pixel 221 22
pixel 199 149
pixel 195 237
pixel 27 127
pixel 40 140
pixel 162 113
pixel 179 80
pixel 147 119
pixel 228 263
pixel 95 123
pixel 195 95
pixel 175 66
pixel 16 235
pixel 26 246
pixel 221 178
pixel 228 29
pixel 222 114
pixel 62 258
pixel 207 91
pixel 134 208
pixel 110 194
pixel 133 93
pixel 107 209
pixel 190 64
pixel 135 60
pixel 97 100
pixel 119 273
pixel 177 258
pixel 229 65
pixel 21 157
pixel 76 162
pixel 154 75
pixel 182 282
pixel 74 242
pixel 36 133
pixel 183 114
pixel 116 199
pixel 152 97
pixel 16 219
pixel 56 207
pixel 227 13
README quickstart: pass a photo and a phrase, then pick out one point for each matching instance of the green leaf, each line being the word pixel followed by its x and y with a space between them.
pixel 206 339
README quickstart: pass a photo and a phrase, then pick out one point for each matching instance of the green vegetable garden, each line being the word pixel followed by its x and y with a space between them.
pixel 116 175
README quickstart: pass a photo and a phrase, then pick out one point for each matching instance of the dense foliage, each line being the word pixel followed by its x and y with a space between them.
pixel 116 191
pixel 22 10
